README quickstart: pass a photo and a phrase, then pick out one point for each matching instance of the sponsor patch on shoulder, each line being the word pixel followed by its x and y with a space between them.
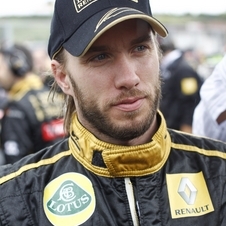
pixel 188 195
pixel 69 200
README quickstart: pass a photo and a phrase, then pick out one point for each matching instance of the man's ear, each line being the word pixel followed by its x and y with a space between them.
pixel 61 77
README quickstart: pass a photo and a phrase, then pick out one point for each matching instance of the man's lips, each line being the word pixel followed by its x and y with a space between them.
pixel 129 104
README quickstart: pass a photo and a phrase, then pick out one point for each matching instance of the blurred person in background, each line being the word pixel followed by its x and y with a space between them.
pixel 210 114
pixel 3 101
pixel 180 87
pixel 42 65
pixel 30 121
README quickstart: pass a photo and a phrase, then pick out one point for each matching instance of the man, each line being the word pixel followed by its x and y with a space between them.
pixel 30 121
pixel 180 88
pixel 210 115
pixel 120 165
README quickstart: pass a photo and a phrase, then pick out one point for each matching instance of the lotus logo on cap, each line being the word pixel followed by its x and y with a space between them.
pixel 82 4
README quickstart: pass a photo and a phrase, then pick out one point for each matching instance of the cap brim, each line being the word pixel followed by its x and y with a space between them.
pixel 95 26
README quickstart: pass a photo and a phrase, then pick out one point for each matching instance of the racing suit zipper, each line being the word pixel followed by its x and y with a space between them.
pixel 132 202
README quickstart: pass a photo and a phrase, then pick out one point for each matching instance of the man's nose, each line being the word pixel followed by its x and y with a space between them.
pixel 126 73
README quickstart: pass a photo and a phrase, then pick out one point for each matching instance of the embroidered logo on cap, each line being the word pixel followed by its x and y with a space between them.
pixel 188 195
pixel 69 200
pixel 82 4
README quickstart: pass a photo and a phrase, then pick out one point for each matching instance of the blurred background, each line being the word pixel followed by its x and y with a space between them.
pixel 198 27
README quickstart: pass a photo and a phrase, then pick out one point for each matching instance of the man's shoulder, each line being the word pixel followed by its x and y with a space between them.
pixel 196 142
pixel 33 167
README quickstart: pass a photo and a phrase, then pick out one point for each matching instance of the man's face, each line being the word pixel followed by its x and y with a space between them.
pixel 116 84
pixel 6 76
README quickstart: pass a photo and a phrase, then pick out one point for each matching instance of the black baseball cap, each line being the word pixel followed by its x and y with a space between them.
pixel 76 24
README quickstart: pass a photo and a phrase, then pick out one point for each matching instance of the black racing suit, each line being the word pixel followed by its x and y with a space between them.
pixel 31 122
pixel 176 179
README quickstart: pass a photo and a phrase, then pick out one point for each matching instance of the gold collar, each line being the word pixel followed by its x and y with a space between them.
pixel 120 161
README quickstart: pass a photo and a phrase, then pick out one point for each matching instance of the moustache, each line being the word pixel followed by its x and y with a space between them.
pixel 129 94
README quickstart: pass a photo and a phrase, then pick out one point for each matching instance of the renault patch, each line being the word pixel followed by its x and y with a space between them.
pixel 69 200
pixel 188 195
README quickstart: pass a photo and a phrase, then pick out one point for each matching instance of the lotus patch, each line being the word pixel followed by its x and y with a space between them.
pixel 69 200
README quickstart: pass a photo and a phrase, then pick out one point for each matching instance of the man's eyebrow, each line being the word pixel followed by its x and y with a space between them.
pixel 144 38
pixel 94 49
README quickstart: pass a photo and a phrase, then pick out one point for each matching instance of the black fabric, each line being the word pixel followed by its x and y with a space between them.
pixel 98 159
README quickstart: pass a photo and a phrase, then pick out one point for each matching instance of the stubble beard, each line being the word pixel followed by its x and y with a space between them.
pixel 105 125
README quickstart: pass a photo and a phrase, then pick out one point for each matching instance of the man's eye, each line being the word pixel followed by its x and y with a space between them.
pixel 140 48
pixel 100 57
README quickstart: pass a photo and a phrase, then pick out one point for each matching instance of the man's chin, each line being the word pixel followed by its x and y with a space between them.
pixel 129 130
